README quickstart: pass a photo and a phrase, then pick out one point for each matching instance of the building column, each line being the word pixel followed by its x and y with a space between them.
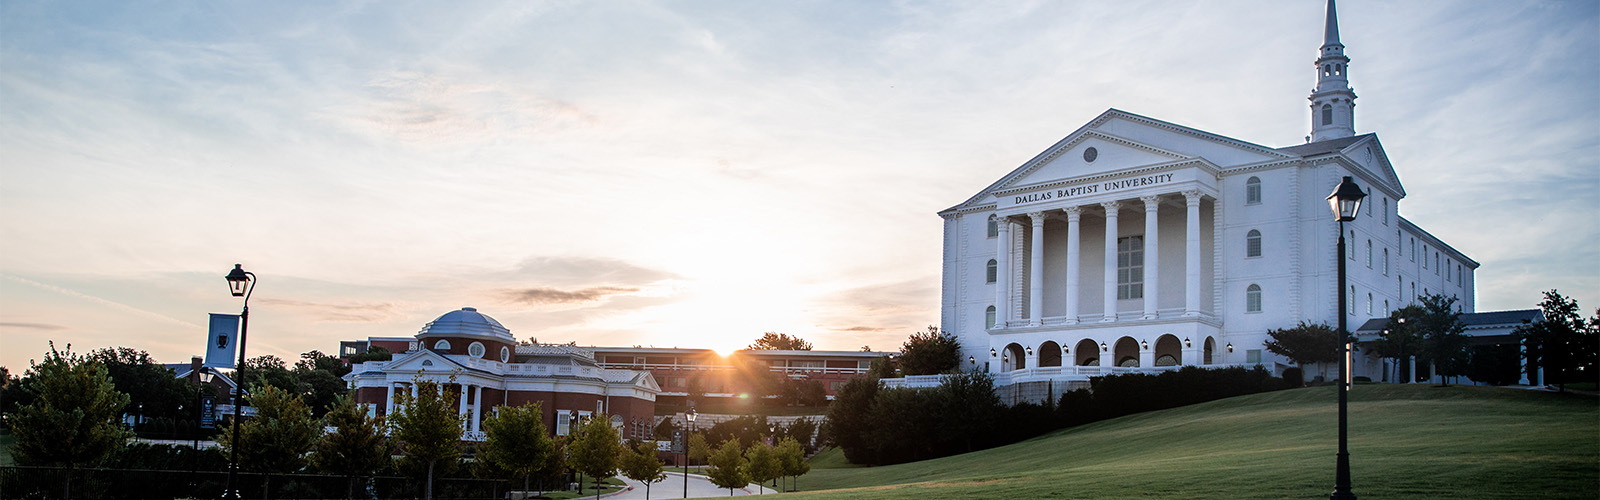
pixel 1152 255
pixel 1147 356
pixel 462 408
pixel 1111 261
pixel 389 403
pixel 1073 216
pixel 1036 272
pixel 1002 274
pixel 477 408
pixel 1191 255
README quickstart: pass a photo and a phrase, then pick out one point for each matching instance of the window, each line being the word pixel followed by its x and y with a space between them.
pixel 1369 304
pixel 988 317
pixel 1252 356
pixel 476 350
pixel 1327 114
pixel 1413 291
pixel 1385 262
pixel 1446 271
pixel 1458 275
pixel 1369 254
pixel 1352 248
pixel 1436 263
pixel 1352 300
pixel 1386 307
pixel 992 272
pixel 1424 256
pixel 1252 299
pixel 1252 191
pixel 994 226
pixel 1386 211
pixel 1413 249
pixel 1252 243
pixel 442 345
pixel 1130 267
pixel 505 354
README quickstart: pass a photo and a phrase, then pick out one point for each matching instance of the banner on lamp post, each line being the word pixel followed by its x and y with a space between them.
pixel 220 340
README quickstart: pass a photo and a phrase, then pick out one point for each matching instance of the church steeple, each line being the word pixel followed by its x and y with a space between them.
pixel 1333 103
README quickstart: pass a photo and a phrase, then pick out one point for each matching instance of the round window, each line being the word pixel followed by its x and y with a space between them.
pixel 442 345
pixel 475 350
pixel 1089 155
pixel 505 354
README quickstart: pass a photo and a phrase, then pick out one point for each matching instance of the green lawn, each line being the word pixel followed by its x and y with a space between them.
pixel 1413 441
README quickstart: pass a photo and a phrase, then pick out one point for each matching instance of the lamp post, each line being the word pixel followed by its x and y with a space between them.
pixel 1345 202
pixel 241 283
pixel 204 377
pixel 689 415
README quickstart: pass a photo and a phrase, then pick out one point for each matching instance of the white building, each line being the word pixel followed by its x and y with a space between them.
pixel 1135 242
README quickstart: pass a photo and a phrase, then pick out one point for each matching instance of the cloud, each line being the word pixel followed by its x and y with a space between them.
pixel 865 329
pixel 114 305
pixel 555 296
pixel 33 326
pixel 348 312
pixel 588 271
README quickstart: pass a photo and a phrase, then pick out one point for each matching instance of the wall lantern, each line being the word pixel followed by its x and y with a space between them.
pixel 1030 350
pixel 1187 343
pixel 1144 344
pixel 972 360
pixel 992 353
pixel 1065 350
pixel 1230 347
pixel 1103 347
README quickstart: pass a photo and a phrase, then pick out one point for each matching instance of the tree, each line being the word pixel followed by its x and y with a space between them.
pixel 356 447
pixel 812 393
pixel 1306 343
pixel 1563 344
pixel 277 439
pixel 699 449
pixel 70 421
pixel 1401 339
pixel 639 463
pixel 374 353
pixel 881 367
pixel 762 464
pixel 802 430
pixel 515 440
pixel 152 389
pixel 728 466
pixel 930 352
pixel 428 429
pixel 968 410
pixel 847 421
pixel 792 457
pixel 1443 345
pixel 594 453
pixel 773 341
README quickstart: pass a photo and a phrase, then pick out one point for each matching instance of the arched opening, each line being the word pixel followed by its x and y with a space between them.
pixel 994 226
pixel 1210 346
pixel 1252 244
pixel 1169 351
pixel 991 272
pixel 1126 353
pixel 1327 114
pixel 1088 353
pixel 1252 298
pixel 1049 354
pixel 988 317
pixel 1252 191
pixel 1013 358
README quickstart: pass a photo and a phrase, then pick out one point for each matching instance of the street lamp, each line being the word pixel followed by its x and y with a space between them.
pixel 1345 203
pixel 689 415
pixel 241 283
pixel 204 378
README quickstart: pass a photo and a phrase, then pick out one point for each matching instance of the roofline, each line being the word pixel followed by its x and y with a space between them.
pixel 1437 243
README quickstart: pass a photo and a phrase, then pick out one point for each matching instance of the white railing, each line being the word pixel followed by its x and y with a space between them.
pixel 1057 373
pixel 777 369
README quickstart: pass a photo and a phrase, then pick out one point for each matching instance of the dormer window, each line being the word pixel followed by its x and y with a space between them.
pixel 476 350
pixel 442 345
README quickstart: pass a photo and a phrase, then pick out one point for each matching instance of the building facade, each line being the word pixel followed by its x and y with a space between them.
pixel 1135 243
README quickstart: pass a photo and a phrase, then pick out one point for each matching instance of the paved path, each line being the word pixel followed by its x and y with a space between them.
pixel 699 487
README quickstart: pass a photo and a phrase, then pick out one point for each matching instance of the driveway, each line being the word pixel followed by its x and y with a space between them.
pixel 699 487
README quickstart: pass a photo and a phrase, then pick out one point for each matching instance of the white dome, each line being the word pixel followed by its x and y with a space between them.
pixel 467 322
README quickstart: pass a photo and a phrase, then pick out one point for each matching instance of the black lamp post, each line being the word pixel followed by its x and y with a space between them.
pixel 241 283
pixel 204 377
pixel 689 415
pixel 1345 202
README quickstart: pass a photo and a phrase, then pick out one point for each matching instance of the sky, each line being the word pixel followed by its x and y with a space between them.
pixel 695 173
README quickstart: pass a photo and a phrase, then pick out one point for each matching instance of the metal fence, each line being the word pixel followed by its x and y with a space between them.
pixel 115 484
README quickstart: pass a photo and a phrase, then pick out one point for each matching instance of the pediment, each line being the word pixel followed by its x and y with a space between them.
pixel 1073 160
pixel 421 360
pixel 1370 155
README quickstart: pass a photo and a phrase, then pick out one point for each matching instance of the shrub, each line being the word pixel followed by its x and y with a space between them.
pixel 1294 377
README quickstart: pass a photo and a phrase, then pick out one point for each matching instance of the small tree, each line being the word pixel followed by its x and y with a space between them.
pixel 762 464
pixel 1306 343
pixel 1401 339
pixel 728 467
pixel 428 429
pixel 71 419
pixel 596 450
pixel 929 352
pixel 699 449
pixel 639 463
pixel 1443 345
pixel 356 447
pixel 773 341
pixel 1563 344
pixel 515 440
pixel 881 367
pixel 792 457
pixel 277 438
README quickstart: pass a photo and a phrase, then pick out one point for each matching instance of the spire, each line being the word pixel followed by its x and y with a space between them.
pixel 1333 102
pixel 1330 33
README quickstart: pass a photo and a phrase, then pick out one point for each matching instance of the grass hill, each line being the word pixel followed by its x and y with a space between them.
pixel 1406 441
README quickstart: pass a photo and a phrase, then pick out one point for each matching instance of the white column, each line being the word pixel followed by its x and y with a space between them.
pixel 462 408
pixel 1152 255
pixel 1036 272
pixel 389 405
pixel 1002 275
pixel 1111 261
pixel 1147 356
pixel 1073 215
pixel 1191 254
pixel 477 408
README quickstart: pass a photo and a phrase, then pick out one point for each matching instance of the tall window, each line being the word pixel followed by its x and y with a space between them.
pixel 1352 300
pixel 988 317
pixel 991 272
pixel 1385 307
pixel 994 226
pixel 1352 247
pixel 1413 249
pixel 1385 262
pixel 1413 291
pixel 1369 304
pixel 1436 263
pixel 1327 114
pixel 1386 211
pixel 1424 256
pixel 1252 243
pixel 1252 299
pixel 1369 254
pixel 1130 267
pixel 1458 275
pixel 1447 271
pixel 1252 191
